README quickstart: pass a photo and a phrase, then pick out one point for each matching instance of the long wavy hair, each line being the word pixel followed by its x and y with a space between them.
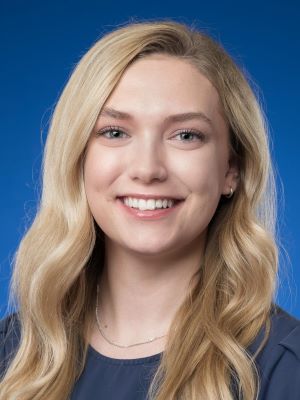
pixel 57 263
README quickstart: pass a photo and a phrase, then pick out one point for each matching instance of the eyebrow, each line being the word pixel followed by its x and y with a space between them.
pixel 111 112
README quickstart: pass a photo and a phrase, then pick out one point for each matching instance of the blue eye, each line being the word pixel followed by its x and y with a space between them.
pixel 115 131
pixel 188 135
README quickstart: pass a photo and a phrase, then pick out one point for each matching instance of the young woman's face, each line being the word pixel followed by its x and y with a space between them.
pixel 140 150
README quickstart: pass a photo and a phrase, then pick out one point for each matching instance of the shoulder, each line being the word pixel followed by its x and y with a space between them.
pixel 279 361
pixel 284 333
pixel 9 339
pixel 286 329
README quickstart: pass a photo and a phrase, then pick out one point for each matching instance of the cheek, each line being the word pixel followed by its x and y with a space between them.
pixel 202 172
pixel 100 170
pixel 203 176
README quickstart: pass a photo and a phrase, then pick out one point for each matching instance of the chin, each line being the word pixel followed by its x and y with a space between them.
pixel 151 250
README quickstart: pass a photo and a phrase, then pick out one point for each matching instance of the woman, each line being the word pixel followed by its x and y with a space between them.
pixel 150 268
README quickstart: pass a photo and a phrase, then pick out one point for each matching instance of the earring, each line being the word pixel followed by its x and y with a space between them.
pixel 228 196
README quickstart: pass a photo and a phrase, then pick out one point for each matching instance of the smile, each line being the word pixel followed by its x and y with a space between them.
pixel 148 209
pixel 149 204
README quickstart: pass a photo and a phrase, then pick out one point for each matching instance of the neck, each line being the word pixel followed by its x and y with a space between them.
pixel 139 295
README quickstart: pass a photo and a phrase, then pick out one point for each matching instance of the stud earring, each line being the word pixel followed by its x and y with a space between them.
pixel 228 196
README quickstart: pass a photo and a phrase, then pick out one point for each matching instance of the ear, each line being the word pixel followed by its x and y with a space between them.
pixel 232 176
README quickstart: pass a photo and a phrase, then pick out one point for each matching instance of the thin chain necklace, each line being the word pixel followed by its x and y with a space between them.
pixel 113 343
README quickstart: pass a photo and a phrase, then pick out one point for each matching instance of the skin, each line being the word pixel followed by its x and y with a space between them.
pixel 148 264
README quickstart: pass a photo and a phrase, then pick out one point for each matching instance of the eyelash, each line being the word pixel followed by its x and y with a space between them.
pixel 199 135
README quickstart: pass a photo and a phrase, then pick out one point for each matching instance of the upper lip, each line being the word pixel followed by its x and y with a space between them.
pixel 151 196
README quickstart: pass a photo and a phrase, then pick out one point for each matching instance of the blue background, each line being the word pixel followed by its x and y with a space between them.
pixel 41 43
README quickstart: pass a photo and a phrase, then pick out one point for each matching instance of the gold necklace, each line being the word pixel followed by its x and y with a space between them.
pixel 116 344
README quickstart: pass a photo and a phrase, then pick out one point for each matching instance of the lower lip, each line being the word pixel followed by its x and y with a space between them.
pixel 149 214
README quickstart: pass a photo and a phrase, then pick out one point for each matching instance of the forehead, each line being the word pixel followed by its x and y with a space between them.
pixel 165 74
pixel 161 85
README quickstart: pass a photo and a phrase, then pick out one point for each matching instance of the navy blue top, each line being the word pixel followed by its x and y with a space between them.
pixel 109 378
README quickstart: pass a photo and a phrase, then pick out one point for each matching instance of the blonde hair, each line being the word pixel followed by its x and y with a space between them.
pixel 57 263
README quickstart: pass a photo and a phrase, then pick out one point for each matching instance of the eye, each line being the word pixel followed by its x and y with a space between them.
pixel 189 135
pixel 111 132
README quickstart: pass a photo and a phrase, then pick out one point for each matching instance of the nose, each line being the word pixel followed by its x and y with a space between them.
pixel 147 161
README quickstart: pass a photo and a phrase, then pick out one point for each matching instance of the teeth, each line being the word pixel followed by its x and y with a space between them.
pixel 150 204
